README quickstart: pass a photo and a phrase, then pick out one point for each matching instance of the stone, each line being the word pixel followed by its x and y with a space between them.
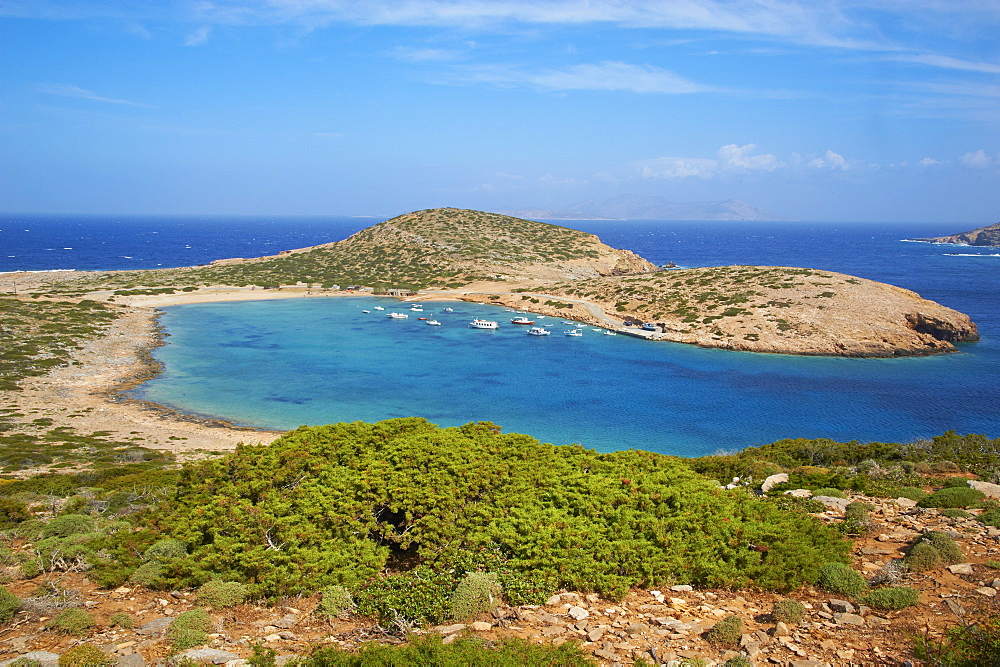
pixel 799 493
pixel 44 657
pixel 988 591
pixel 131 660
pixel 285 622
pixel 273 637
pixel 848 619
pixel 681 588
pixel 772 481
pixel 842 606
pixel 961 568
pixel 637 628
pixel 595 634
pixel 839 504
pixel 450 629
pixel 781 630
pixel 905 502
pixel 553 630
pixel 555 599
pixel 578 613
pixel 287 635
pixel 482 626
pixel 202 655
pixel 991 490
pixel 155 626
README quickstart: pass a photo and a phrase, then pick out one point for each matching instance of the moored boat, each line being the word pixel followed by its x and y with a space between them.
pixel 433 323
pixel 538 331
pixel 573 332
pixel 483 324
pixel 397 316
pixel 521 320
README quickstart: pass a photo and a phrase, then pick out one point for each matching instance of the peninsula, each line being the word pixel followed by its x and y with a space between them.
pixel 450 253
pixel 988 236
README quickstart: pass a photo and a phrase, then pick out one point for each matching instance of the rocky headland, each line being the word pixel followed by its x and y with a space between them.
pixel 982 236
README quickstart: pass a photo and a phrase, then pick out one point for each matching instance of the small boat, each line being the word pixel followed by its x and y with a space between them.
pixel 379 308
pixel 417 309
pixel 521 320
pixel 366 311
pixel 421 318
pixel 610 333
pixel 573 332
pixel 397 316
pixel 483 324
pixel 568 322
pixel 433 323
pixel 538 331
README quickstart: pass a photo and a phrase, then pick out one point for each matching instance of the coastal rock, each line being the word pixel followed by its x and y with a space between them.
pixel 982 236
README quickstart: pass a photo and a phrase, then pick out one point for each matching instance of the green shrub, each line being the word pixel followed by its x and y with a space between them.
pixel 856 519
pixel 121 620
pixel 990 517
pixel 477 593
pixel 911 492
pixel 420 595
pixel 739 661
pixel 10 604
pixel 165 550
pixel 897 597
pixel 335 601
pixel 788 611
pixel 955 513
pixel 430 650
pixel 922 557
pixel 950 551
pixel 841 579
pixel 726 632
pixel 956 482
pixel 148 575
pixel 954 496
pixel 829 491
pixel 345 500
pixel 86 655
pixel 68 524
pixel 72 622
pixel 30 569
pixel 189 629
pixel 219 594
pixel 976 641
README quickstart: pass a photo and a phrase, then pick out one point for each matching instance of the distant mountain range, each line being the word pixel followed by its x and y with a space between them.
pixel 637 207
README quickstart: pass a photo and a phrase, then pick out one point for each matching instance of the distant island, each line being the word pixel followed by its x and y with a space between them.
pixel 450 253
pixel 988 237
pixel 637 207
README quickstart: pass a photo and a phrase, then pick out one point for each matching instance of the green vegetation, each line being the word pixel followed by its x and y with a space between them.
pixel 10 604
pixel 788 611
pixel 952 496
pixel 892 598
pixel 974 642
pixel 72 622
pixel 335 601
pixel 841 579
pixel 86 655
pixel 726 632
pixel 933 549
pixel 337 504
pixel 218 594
pixel 189 629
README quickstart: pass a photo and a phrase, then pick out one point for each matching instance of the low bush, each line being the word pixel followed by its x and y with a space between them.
pixel 726 632
pixel 922 557
pixel 148 575
pixel 856 519
pixel 911 493
pixel 10 604
pixel 477 593
pixel 335 601
pixel 219 594
pixel 950 551
pixel 788 611
pixel 739 661
pixel 896 597
pixel 120 619
pixel 72 622
pixel 189 629
pixel 68 524
pixel 955 496
pixel 990 517
pixel 976 641
pixel 955 482
pixel 829 491
pixel 164 550
pixel 841 579
pixel 86 655
pixel 431 650
pixel 955 513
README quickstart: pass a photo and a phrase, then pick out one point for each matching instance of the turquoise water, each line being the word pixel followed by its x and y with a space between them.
pixel 279 364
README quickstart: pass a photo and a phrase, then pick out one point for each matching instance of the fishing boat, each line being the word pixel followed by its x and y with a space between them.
pixel 379 308
pixel 538 331
pixel 397 316
pixel 421 318
pixel 366 311
pixel 573 332
pixel 521 320
pixel 433 323
pixel 483 324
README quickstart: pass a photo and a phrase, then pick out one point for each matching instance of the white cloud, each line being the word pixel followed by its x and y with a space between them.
pixel 609 76
pixel 927 162
pixel 947 62
pixel 830 160
pixel 67 90
pixel 676 168
pixel 199 36
pixel 977 159
pixel 732 156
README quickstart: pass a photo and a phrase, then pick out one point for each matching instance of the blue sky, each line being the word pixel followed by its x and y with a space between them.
pixel 865 110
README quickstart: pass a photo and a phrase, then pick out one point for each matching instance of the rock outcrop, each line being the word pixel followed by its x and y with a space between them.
pixel 983 236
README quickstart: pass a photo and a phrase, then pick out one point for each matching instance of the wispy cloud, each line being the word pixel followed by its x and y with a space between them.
pixel 947 62
pixel 729 158
pixel 199 36
pixel 67 90
pixel 610 76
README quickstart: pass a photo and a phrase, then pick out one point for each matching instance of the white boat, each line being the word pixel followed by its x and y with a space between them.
pixel 538 331
pixel 568 322
pixel 573 332
pixel 433 323
pixel 610 333
pixel 366 311
pixel 379 308
pixel 417 309
pixel 398 316
pixel 521 320
pixel 483 324
pixel 449 310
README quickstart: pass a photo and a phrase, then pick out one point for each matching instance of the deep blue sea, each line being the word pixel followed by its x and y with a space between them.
pixel 279 364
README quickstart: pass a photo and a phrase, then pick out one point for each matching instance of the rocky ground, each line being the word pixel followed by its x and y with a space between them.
pixel 665 626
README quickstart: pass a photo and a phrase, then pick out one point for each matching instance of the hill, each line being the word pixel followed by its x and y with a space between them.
pixel 983 236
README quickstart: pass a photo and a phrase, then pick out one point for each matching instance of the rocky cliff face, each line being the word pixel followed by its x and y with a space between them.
pixel 983 236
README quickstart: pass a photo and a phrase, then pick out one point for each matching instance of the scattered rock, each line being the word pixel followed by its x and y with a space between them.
pixel 961 568
pixel 203 655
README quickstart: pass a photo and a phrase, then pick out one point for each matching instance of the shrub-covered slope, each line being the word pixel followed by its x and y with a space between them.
pixel 338 504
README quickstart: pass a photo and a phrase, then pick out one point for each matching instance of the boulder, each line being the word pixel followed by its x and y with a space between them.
pixel 203 655
pixel 991 490
pixel 773 480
